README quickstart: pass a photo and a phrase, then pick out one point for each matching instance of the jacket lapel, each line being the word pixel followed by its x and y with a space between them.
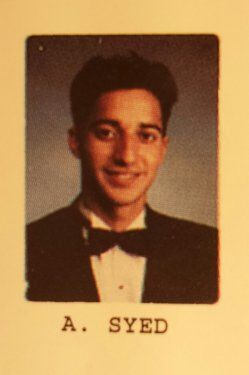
pixel 83 287
pixel 159 277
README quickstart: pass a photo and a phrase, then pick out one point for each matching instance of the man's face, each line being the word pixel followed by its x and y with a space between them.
pixel 122 146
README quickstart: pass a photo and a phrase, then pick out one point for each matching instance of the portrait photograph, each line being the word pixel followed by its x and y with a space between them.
pixel 121 168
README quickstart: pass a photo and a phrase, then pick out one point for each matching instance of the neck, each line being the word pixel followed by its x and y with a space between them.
pixel 118 217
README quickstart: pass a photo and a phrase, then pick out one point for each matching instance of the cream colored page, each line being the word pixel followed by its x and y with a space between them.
pixel 200 339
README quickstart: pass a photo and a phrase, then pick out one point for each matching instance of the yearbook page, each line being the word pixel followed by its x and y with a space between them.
pixel 124 164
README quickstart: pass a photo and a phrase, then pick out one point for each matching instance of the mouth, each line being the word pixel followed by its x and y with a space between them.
pixel 122 178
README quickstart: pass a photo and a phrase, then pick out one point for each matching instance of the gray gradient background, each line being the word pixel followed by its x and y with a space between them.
pixel 186 186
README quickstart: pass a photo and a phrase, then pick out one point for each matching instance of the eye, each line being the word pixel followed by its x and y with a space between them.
pixel 104 133
pixel 148 136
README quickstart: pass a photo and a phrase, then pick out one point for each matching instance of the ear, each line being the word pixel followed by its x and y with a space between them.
pixel 73 142
pixel 164 145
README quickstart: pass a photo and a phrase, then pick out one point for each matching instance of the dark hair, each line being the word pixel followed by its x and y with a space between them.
pixel 100 75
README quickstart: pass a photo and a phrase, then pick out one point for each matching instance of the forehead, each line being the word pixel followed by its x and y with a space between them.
pixel 128 105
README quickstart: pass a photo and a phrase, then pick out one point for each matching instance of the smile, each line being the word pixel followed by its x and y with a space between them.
pixel 122 178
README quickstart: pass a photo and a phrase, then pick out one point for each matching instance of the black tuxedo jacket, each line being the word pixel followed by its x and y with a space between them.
pixel 182 266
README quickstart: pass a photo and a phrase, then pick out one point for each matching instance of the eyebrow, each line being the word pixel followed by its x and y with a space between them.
pixel 152 126
pixel 106 121
pixel 115 124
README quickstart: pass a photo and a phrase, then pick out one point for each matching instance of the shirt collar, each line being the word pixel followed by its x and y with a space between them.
pixel 97 222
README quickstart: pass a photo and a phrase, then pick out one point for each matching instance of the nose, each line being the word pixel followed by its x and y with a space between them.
pixel 126 150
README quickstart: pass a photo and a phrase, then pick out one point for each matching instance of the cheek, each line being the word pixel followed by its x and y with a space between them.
pixel 154 160
pixel 96 152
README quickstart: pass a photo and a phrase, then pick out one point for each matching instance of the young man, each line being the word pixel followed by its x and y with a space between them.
pixel 109 245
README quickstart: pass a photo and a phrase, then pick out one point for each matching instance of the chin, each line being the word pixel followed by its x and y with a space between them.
pixel 125 199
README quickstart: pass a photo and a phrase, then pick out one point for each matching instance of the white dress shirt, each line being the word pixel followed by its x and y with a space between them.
pixel 119 276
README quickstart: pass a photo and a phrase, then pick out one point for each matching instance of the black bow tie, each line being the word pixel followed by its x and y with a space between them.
pixel 132 241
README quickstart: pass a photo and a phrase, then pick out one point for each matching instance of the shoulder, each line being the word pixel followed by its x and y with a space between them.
pixel 186 239
pixel 186 242
pixel 45 235
pixel 56 223
pixel 164 224
pixel 54 218
pixel 186 256
pixel 52 234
